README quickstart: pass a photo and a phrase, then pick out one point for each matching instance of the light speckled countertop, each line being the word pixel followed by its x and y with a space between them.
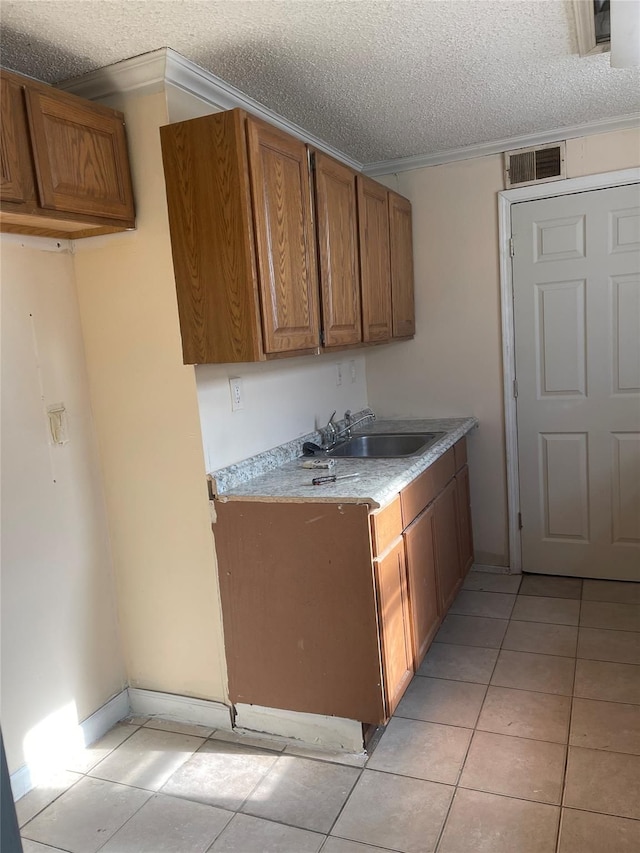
pixel 276 475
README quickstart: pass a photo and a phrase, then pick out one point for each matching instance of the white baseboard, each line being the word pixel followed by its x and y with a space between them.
pixel 21 782
pixel 88 731
pixel 496 570
pixel 182 709
pixel 313 729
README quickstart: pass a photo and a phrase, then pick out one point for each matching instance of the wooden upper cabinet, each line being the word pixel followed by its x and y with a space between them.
pixel 16 183
pixel 80 156
pixel 239 203
pixel 285 242
pixel 401 250
pixel 339 265
pixel 65 168
pixel 373 224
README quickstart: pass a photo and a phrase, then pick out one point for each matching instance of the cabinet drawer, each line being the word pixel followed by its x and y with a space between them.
pixel 386 525
pixel 460 453
pixel 424 488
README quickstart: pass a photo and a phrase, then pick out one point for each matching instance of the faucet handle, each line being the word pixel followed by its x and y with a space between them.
pixel 347 417
pixel 330 431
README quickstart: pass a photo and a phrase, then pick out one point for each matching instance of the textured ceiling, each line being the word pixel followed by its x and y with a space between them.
pixel 378 79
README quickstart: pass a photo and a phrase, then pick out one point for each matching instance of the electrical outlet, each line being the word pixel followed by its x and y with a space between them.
pixel 237 402
pixel 339 373
pixel 352 368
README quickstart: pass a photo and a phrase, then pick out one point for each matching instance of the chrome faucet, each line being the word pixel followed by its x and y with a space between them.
pixel 331 433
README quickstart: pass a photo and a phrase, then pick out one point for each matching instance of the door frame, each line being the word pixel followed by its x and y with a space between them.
pixel 506 198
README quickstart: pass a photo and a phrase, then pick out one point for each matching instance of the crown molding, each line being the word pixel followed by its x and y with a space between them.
pixel 155 71
pixel 152 72
pixel 406 164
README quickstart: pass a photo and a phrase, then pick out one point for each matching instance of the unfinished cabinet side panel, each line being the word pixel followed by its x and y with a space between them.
pixel 299 607
pixel 206 175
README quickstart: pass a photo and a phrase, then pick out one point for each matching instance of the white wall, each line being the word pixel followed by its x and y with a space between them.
pixel 146 410
pixel 283 400
pixel 454 365
pixel 61 655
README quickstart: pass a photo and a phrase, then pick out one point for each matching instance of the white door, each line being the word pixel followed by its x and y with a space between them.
pixel 576 280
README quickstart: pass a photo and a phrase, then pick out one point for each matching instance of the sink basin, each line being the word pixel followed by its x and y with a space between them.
pixel 385 445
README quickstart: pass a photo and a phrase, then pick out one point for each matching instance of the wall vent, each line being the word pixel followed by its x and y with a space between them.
pixel 534 165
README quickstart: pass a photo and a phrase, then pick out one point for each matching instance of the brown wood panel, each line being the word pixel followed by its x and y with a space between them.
pixel 339 264
pixel 80 156
pixel 386 525
pixel 206 177
pixel 375 268
pixel 395 624
pixel 460 453
pixel 16 181
pixel 299 607
pixel 465 531
pixel 445 527
pixel 401 253
pixel 416 496
pixel 285 241
pixel 419 540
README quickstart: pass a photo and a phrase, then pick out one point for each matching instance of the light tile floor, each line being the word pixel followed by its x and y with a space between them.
pixel 519 734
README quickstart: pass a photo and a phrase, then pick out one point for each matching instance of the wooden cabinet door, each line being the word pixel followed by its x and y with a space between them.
pixel 445 509
pixel 337 230
pixel 285 245
pixel 80 156
pixel 401 250
pixel 394 619
pixel 16 184
pixel 465 533
pixel 421 577
pixel 375 271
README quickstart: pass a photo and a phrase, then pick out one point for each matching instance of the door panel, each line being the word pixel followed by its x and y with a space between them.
pixel 338 251
pixel 401 249
pixel 421 575
pixel 446 545
pixel 576 274
pixel 375 269
pixel 284 239
pixel 391 578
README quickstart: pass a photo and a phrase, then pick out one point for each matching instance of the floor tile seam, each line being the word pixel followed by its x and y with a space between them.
pixel 239 742
pixel 607 701
pixel 347 798
pixel 111 751
pixel 491 793
pixel 557 597
pixel 563 785
pixel 548 622
pixel 365 844
pixel 53 847
pixel 464 645
pixel 130 818
pixel 281 822
pixel 606 660
pixel 600 749
pixel 610 628
pixel 106 840
pixel 557 805
pixel 51 802
pixel 564 743
pixel 590 811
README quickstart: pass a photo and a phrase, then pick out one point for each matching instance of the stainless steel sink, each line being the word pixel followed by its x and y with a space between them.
pixel 385 445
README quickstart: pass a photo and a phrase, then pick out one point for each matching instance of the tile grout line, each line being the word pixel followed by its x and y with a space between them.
pixel 473 734
pixel 566 759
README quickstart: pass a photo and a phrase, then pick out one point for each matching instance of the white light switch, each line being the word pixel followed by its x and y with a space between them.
pixel 237 402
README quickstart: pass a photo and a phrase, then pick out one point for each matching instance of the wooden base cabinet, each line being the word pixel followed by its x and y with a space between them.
pixel 65 168
pixel 330 608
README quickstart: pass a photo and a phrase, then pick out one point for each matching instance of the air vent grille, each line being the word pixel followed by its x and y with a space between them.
pixel 534 165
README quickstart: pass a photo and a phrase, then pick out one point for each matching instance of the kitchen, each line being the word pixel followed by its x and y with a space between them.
pixel 148 407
